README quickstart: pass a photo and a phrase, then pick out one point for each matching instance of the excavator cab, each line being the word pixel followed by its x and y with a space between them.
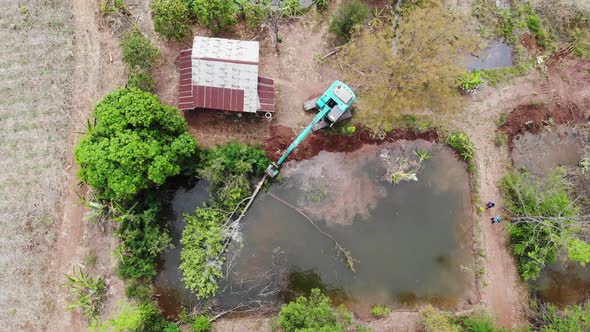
pixel 337 100
pixel 333 106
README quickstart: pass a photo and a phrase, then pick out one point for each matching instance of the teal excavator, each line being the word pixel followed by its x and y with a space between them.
pixel 333 106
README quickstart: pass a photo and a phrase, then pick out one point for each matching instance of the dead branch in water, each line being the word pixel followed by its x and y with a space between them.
pixel 350 261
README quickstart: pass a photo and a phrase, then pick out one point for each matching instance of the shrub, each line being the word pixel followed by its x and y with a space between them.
pixel 201 324
pixel 321 4
pixel 216 15
pixel 380 311
pixel 470 80
pixel 549 318
pixel 145 317
pixel 138 51
pixel 220 161
pixel 480 323
pixel 346 17
pixel 142 241
pixel 291 8
pixel 136 144
pixel 435 321
pixel 85 293
pixel 202 255
pixel 461 143
pixel 255 12
pixel 313 314
pixel 171 19
pixel 141 80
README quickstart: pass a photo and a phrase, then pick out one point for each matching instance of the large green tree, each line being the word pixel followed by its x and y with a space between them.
pixel 414 70
pixel 135 143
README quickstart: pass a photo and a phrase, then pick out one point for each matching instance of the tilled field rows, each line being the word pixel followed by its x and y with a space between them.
pixel 36 68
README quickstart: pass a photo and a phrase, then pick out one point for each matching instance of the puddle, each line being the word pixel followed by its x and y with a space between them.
pixel 496 55
pixel 411 241
pixel 540 153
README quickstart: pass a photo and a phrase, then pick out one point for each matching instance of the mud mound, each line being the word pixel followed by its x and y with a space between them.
pixel 281 138
pixel 532 118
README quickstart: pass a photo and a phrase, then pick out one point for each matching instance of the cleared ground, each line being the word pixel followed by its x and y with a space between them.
pixel 36 66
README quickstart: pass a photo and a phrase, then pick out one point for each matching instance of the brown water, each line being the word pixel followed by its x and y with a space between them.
pixel 563 284
pixel 411 241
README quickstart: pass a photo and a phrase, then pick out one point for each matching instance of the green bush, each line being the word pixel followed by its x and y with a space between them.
pixel 136 144
pixel 141 80
pixel 346 17
pixel 313 314
pixel 291 8
pixel 220 161
pixel 201 324
pixel 171 19
pixel 142 241
pixel 85 293
pixel 202 255
pixel 138 51
pixel 216 15
pixel 145 317
pixel 572 318
pixel 255 12
pixel 435 321
pixel 480 323
pixel 380 311
pixel 461 143
pixel 470 80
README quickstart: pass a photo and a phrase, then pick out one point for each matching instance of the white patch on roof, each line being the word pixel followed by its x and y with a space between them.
pixel 226 49
pixel 221 70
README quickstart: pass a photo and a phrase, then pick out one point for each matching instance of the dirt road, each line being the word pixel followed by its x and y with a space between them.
pixel 99 69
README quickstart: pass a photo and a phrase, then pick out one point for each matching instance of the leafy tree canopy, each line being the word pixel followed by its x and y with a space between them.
pixel 138 50
pixel 315 314
pixel 414 70
pixel 135 144
pixel 171 19
pixel 346 17
pixel 216 15
pixel 544 221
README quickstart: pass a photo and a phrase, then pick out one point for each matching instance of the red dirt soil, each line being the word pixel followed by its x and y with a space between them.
pixel 281 138
pixel 533 117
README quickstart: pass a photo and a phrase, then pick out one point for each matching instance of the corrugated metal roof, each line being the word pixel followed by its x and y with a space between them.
pixel 222 74
pixel 228 75
pixel 226 49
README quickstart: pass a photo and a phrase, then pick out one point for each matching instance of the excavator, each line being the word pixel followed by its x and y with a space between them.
pixel 333 106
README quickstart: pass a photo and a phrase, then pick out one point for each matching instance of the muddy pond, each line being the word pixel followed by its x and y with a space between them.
pixel 411 242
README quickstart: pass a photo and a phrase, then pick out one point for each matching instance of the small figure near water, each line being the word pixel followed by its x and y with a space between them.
pixel 490 205
pixel 496 220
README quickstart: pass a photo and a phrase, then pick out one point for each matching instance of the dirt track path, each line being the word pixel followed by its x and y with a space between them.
pixel 504 293
pixel 95 75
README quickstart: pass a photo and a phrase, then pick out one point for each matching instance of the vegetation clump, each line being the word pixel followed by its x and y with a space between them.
pixel 136 143
pixel 171 19
pixel 131 317
pixel 470 80
pixel 138 51
pixel 85 292
pixel 229 169
pixel 544 221
pixel 215 15
pixel 380 311
pixel 346 18
pixel 398 74
pixel 461 143
pixel 142 80
pixel 142 240
pixel 315 314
